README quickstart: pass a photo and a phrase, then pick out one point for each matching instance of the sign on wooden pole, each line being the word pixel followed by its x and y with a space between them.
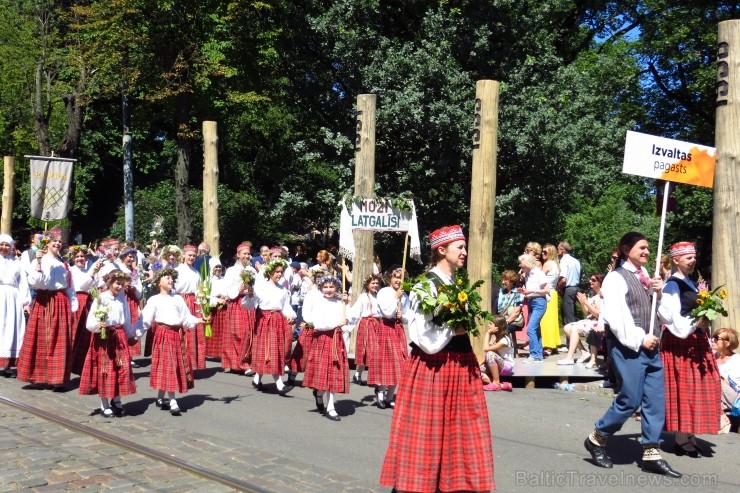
pixel 726 227
pixel 210 187
pixel 483 194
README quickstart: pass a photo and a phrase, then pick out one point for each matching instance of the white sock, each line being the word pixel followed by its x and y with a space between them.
pixel 381 395
pixel 173 403
pixel 358 372
pixel 278 381
pixel 256 379
pixel 330 404
pixel 287 368
pixel 104 404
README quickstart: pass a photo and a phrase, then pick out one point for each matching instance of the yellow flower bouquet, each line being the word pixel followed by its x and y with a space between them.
pixel 710 303
pixel 455 305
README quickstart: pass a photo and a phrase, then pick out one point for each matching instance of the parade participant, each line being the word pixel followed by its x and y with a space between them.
pixel 271 299
pixel 107 368
pixel 277 253
pixel 83 282
pixel 328 365
pixel 692 380
pixel 299 288
pixel 366 309
pixel 169 256
pixel 440 437
pixel 15 299
pixel 300 355
pixel 239 325
pixel 635 354
pixel 133 291
pixel 171 371
pixel 218 301
pixel 187 282
pixel 46 354
pixel 391 349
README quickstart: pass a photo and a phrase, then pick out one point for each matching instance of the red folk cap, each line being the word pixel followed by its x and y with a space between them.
pixel 682 248
pixel 446 235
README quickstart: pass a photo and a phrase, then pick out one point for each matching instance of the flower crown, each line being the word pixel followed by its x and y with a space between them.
pixel 167 271
pixel 116 274
pixel 75 249
pixel 320 283
pixel 270 267
pixel 369 278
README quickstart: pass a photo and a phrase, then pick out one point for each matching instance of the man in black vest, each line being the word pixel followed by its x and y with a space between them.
pixel 627 292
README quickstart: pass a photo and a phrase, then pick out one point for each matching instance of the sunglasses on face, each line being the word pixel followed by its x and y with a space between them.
pixel 718 338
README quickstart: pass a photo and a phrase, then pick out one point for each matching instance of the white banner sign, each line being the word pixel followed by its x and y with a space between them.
pixel 50 180
pixel 669 160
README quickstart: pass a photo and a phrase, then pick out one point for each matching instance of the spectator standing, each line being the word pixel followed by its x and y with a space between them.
pixel 204 255
pixel 570 277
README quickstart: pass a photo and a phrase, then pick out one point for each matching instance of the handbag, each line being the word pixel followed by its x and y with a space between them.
pixel 509 308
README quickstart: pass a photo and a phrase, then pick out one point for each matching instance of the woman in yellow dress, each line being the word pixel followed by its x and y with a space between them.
pixel 550 323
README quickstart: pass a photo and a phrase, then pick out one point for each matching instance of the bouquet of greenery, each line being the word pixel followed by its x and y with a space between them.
pixel 456 304
pixel 101 310
pixel 203 296
pixel 710 302
pixel 247 277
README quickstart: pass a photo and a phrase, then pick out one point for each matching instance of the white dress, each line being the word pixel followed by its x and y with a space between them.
pixel 14 295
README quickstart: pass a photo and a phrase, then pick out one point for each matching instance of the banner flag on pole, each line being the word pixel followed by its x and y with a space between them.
pixel 377 215
pixel 50 182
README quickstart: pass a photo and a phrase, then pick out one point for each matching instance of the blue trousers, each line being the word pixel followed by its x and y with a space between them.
pixel 537 307
pixel 641 384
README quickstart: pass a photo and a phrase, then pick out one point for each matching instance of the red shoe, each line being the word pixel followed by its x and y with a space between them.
pixel 492 387
pixel 506 386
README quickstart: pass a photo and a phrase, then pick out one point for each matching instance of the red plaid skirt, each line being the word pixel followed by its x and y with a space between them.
pixel 82 336
pixel 107 370
pixel 367 335
pixel 440 436
pixel 388 355
pixel 171 369
pixel 46 354
pixel 328 367
pixel 301 351
pixel 268 348
pixel 693 388
pixel 195 339
pixel 237 336
pixel 214 344
pixel 133 306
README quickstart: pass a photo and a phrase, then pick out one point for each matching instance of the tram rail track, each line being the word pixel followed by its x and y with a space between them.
pixel 187 466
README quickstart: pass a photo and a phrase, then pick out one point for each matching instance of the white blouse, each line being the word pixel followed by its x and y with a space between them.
pixel 81 280
pixel 388 303
pixel 167 309
pixel 365 306
pixel 669 309
pixel 327 313
pixel 268 296
pixel 52 277
pixel 12 275
pixel 218 289
pixel 118 313
pixel 430 337
pixel 187 279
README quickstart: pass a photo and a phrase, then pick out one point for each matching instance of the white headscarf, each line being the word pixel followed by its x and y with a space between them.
pixel 4 238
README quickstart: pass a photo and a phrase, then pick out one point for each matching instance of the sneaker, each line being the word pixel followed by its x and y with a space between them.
pixel 585 356
pixel 566 361
pixel 589 365
pixel 530 360
pixel 606 384
pixel 249 373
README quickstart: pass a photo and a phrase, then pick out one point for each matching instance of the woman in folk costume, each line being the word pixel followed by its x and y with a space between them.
pixel 391 350
pixel 300 355
pixel 83 282
pixel 106 262
pixel 271 299
pixel 188 278
pixel 170 370
pixel 107 369
pixel 238 332
pixel 692 381
pixel 15 298
pixel 46 355
pixel 327 368
pixel 218 308
pixel 133 291
pixel 366 309
pixel 440 436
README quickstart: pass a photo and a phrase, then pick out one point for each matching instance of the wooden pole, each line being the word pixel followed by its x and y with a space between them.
pixel 6 225
pixel 362 265
pixel 483 195
pixel 726 227
pixel 210 187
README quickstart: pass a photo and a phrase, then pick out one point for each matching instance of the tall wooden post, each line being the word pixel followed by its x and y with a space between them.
pixel 210 187
pixel 6 225
pixel 483 194
pixel 726 215
pixel 362 265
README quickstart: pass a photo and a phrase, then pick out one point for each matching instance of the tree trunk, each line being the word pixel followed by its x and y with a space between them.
pixel 71 140
pixel 41 112
pixel 182 169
